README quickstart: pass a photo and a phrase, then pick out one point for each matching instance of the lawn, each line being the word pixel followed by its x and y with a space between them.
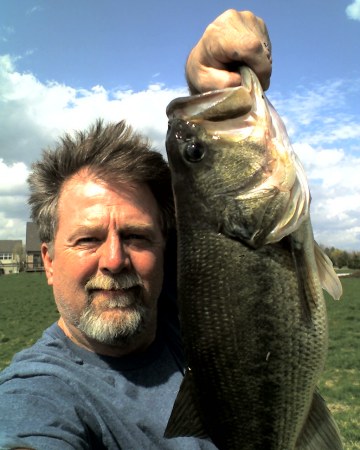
pixel 27 308
pixel 340 384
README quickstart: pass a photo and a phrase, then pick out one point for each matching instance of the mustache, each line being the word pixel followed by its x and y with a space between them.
pixel 121 281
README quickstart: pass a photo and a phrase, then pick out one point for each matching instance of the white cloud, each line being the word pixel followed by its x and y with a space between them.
pixel 13 196
pixel 317 114
pixel 34 9
pixel 333 178
pixel 12 177
pixel 324 133
pixel 353 10
pixel 34 114
pixel 5 33
pixel 325 136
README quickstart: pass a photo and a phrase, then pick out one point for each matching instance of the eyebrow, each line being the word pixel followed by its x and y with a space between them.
pixel 139 227
pixel 131 228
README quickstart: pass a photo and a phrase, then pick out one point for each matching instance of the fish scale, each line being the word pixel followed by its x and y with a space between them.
pixel 282 334
pixel 252 311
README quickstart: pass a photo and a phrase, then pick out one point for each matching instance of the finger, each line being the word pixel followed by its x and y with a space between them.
pixel 246 41
pixel 211 79
pixel 233 39
pixel 257 56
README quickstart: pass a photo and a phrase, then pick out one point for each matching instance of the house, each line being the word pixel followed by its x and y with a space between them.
pixel 34 261
pixel 10 256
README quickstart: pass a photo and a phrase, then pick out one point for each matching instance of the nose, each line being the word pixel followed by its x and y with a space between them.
pixel 114 256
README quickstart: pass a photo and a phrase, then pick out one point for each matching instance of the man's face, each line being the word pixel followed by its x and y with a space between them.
pixel 106 264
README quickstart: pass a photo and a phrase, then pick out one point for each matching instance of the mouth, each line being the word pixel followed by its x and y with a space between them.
pixel 114 298
pixel 108 292
pixel 117 289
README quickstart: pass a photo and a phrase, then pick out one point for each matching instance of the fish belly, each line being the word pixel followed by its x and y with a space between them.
pixel 254 354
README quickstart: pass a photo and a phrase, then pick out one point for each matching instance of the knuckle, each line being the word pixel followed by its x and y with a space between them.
pixel 248 15
pixel 227 16
pixel 261 22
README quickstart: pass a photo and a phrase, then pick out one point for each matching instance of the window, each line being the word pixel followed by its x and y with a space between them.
pixel 4 256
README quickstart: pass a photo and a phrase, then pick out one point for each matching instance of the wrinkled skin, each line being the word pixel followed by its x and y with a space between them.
pixel 104 232
pixel 234 38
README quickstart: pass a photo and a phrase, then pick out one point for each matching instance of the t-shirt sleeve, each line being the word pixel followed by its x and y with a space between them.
pixel 39 414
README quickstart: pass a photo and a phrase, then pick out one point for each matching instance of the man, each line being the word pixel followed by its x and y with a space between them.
pixel 106 375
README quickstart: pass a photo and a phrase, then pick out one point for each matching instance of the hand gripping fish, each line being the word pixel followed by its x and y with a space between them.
pixel 250 278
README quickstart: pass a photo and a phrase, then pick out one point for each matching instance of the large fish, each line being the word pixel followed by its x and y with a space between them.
pixel 250 278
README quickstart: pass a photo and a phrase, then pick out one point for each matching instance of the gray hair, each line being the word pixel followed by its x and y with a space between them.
pixel 114 153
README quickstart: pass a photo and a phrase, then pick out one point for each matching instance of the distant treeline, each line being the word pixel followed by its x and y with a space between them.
pixel 342 258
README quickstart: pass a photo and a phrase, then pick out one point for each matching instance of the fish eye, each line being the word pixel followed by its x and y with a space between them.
pixel 194 152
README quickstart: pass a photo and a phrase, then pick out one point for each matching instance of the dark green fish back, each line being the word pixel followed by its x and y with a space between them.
pixel 250 346
pixel 252 309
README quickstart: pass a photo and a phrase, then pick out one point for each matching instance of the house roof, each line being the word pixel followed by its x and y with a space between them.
pixel 8 245
pixel 33 243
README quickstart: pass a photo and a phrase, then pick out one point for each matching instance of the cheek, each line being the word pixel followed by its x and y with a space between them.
pixel 68 288
pixel 70 276
pixel 75 266
pixel 149 265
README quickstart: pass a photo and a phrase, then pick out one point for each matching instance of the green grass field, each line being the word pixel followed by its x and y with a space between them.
pixel 340 384
pixel 27 308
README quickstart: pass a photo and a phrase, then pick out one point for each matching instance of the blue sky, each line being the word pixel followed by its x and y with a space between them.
pixel 64 63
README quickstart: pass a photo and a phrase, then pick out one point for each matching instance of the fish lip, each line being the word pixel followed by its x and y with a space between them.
pixel 175 108
pixel 222 113
pixel 210 105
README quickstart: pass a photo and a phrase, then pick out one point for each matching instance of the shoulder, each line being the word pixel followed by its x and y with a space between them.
pixel 48 356
pixel 36 392
pixel 45 395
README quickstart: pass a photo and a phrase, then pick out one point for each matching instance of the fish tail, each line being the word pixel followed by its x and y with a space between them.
pixel 320 430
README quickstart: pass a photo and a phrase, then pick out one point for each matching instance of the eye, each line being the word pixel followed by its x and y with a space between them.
pixel 87 240
pixel 135 237
pixel 194 151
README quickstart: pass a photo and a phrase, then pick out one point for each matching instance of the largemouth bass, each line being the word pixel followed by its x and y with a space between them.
pixel 250 278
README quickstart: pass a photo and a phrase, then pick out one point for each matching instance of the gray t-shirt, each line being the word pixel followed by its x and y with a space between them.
pixel 56 395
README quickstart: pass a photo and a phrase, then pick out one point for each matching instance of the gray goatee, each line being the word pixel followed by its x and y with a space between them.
pixel 120 328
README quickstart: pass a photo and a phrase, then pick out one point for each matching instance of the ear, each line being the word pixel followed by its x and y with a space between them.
pixel 47 256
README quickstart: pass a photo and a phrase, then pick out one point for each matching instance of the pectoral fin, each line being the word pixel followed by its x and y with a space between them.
pixel 327 275
pixel 320 430
pixel 185 419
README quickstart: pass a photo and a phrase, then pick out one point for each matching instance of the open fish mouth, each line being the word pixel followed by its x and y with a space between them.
pixel 250 277
pixel 219 111
pixel 234 115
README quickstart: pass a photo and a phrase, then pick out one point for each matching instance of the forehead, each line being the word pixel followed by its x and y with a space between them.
pixel 84 196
